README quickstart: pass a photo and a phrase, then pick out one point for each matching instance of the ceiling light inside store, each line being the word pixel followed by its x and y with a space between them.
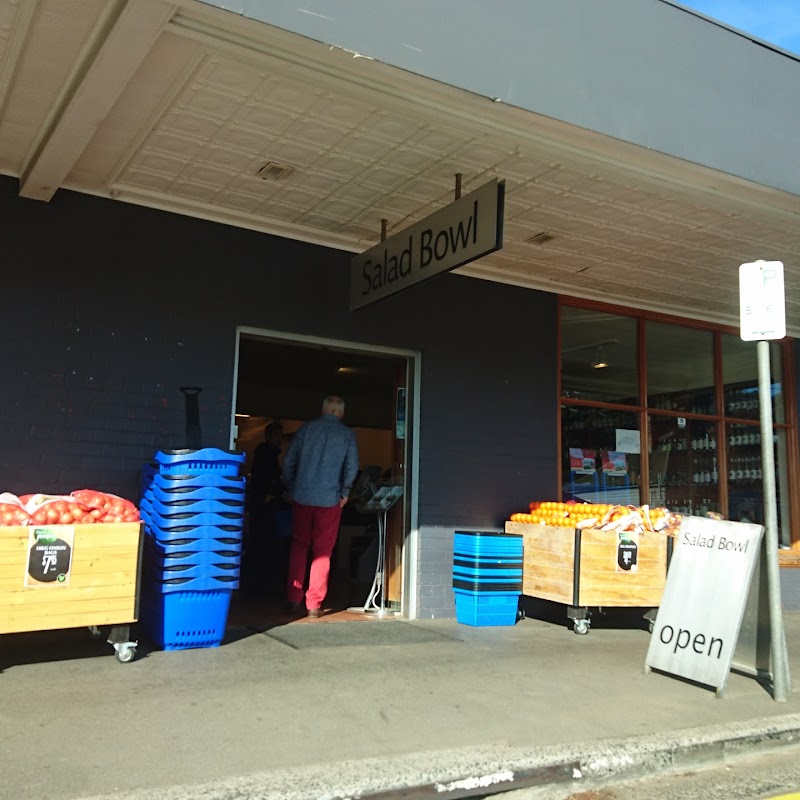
pixel 274 172
pixel 600 359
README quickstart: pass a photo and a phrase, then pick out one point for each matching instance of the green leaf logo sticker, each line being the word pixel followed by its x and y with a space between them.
pixel 45 536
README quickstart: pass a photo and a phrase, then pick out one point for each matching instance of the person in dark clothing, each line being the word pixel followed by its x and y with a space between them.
pixel 266 560
pixel 265 474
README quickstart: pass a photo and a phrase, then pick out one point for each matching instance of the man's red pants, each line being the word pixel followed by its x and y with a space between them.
pixel 313 528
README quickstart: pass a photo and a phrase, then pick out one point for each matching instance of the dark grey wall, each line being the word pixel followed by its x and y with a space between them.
pixel 643 71
pixel 109 308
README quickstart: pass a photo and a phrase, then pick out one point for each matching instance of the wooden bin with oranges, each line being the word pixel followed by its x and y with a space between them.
pixel 569 558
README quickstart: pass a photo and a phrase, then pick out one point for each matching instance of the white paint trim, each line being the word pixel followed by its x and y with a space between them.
pixel 179 84
pixel 409 607
pixel 237 219
pixel 119 44
pixel 12 53
pixel 235 391
pixel 499 275
pixel 409 601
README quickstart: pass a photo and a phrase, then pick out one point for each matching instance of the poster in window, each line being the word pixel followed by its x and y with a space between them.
pixel 614 462
pixel 628 441
pixel 400 414
pixel 581 461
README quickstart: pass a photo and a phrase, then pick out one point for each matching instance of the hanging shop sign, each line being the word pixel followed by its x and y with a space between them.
pixel 700 616
pixel 463 231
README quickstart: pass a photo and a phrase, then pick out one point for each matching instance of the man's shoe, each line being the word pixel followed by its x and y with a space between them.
pixel 315 613
pixel 294 608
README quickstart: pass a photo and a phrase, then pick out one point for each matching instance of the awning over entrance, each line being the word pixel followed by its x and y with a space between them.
pixel 197 110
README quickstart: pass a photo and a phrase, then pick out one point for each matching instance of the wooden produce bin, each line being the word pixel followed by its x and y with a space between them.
pixel 580 569
pixel 100 587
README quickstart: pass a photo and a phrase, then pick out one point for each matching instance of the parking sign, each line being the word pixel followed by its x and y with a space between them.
pixel 762 307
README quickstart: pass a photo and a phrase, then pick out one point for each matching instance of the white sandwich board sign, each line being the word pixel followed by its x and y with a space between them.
pixel 708 584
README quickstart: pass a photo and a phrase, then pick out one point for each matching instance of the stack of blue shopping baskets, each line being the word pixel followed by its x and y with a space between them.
pixel 193 510
pixel 487 577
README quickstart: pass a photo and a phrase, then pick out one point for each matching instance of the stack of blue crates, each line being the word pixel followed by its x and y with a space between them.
pixel 193 510
pixel 487 577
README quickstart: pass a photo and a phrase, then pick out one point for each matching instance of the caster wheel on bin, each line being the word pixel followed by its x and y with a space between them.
pixel 651 626
pixel 125 652
pixel 581 626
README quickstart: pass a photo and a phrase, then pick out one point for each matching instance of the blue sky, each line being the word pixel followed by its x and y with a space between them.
pixel 775 21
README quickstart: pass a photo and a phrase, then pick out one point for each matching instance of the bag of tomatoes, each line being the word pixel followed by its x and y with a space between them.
pixel 54 509
pixel 107 507
pixel 12 511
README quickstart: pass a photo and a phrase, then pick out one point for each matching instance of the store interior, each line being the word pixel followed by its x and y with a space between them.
pixel 701 458
pixel 283 381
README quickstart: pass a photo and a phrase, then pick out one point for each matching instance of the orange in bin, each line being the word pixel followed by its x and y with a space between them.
pixel 597 515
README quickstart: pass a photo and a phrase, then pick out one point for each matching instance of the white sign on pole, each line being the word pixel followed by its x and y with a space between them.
pixel 698 622
pixel 762 307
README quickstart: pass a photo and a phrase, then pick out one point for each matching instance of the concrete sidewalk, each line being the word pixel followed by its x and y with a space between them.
pixel 344 708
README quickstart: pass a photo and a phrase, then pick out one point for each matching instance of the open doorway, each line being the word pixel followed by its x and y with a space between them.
pixel 285 380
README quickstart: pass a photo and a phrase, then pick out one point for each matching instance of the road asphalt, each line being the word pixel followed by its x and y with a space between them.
pixel 353 706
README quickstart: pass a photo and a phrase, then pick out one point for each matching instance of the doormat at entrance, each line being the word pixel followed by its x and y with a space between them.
pixel 355 634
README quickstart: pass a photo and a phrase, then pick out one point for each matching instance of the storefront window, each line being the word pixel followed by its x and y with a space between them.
pixel 600 455
pixel 599 357
pixel 684 465
pixel 703 434
pixel 746 479
pixel 740 379
pixel 680 368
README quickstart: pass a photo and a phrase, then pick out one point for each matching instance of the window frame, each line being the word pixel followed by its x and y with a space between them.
pixel 642 316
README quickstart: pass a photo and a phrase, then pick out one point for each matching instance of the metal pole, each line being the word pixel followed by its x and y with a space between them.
pixel 382 557
pixel 780 661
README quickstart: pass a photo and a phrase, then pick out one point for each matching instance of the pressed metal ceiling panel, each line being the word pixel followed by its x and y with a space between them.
pixel 50 35
pixel 351 142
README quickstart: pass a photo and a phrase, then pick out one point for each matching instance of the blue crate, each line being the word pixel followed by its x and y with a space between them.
pixel 162 554
pixel 193 462
pixel 189 483
pixel 193 558
pixel 194 545
pixel 173 522
pixel 201 494
pixel 487 585
pixel 187 619
pixel 487 544
pixel 154 571
pixel 485 574
pixel 485 610
pixel 189 509
pixel 487 562
pixel 178 533
pixel 180 541
pixel 163 585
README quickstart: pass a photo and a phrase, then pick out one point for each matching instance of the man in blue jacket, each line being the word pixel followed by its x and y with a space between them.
pixel 318 470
